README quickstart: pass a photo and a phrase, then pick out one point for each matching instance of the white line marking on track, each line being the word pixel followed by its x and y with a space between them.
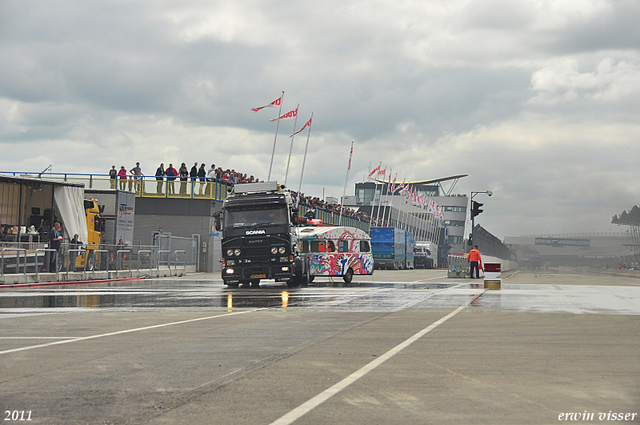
pixel 432 278
pixel 126 331
pixel 311 404
pixel 37 337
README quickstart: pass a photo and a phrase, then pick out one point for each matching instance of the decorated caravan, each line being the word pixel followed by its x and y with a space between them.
pixel 336 251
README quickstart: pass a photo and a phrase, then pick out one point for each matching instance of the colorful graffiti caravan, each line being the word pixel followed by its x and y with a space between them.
pixel 336 251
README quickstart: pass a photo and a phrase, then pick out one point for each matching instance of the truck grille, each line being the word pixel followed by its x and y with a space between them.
pixel 257 250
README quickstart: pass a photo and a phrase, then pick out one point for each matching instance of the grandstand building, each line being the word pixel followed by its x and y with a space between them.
pixel 397 208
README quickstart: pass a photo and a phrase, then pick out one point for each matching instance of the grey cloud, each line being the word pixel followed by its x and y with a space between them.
pixel 430 88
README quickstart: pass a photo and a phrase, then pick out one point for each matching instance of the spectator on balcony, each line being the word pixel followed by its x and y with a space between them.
pixel 123 178
pixel 136 177
pixel 113 175
pixel 184 175
pixel 202 176
pixel 159 178
pixel 171 174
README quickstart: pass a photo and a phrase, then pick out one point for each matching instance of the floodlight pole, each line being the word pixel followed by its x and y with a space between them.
pixel 488 192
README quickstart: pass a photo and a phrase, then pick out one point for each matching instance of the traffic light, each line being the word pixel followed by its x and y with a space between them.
pixel 475 209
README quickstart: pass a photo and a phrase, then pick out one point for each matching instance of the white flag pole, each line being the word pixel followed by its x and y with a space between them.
pixel 373 201
pixel 390 195
pixel 295 122
pixel 344 191
pixel 304 160
pixel 273 151
pixel 380 201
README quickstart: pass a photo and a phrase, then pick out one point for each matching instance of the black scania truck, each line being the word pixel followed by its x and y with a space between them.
pixel 259 238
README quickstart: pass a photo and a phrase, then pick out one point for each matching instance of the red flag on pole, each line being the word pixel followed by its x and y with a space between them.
pixel 350 155
pixel 374 171
pixel 308 124
pixel 290 114
pixel 276 102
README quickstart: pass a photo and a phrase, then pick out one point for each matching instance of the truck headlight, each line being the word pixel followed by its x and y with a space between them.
pixel 274 250
pixel 229 252
pixel 229 271
pixel 281 250
pixel 237 252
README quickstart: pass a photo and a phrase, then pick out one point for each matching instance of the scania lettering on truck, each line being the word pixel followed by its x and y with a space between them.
pixel 258 237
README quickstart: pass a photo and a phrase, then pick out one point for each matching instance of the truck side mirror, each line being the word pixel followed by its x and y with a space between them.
pixel 217 216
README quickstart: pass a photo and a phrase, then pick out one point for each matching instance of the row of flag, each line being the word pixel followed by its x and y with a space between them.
pixel 294 114
pixel 291 114
pixel 416 197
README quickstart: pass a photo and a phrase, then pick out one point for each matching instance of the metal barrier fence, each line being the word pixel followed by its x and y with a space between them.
pixel 171 252
pixel 457 265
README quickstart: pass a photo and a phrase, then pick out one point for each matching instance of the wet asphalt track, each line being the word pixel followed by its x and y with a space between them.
pixel 397 347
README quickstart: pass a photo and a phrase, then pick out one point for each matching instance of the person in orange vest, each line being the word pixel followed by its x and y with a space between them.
pixel 475 259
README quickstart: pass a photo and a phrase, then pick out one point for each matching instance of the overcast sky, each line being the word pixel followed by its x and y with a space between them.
pixel 537 101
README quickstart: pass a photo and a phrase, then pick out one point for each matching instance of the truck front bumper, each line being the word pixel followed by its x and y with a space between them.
pixel 280 273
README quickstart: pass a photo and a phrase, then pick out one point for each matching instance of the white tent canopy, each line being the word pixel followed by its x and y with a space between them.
pixel 70 203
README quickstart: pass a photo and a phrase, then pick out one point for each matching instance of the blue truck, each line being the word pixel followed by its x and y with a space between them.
pixel 389 246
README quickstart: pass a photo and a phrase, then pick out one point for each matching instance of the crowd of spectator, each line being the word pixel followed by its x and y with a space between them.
pixel 320 204
pixel 200 174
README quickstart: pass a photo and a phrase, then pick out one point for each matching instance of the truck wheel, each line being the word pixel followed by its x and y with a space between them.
pixel 299 277
pixel 255 282
pixel 348 277
pixel 306 278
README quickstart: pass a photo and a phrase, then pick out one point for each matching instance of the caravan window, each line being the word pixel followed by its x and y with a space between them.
pixel 304 246
pixel 318 246
pixel 364 246
pixel 343 246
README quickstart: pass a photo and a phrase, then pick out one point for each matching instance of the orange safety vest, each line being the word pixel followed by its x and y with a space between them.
pixel 474 255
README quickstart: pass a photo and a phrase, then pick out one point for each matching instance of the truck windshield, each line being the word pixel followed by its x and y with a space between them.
pixel 254 217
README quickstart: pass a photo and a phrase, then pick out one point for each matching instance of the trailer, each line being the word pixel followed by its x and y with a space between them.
pixel 426 255
pixel 389 247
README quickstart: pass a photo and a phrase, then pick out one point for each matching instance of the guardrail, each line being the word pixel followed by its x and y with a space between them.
pixel 457 266
pixel 164 251
pixel 118 256
pixel 54 252
pixel 148 252
pixel 185 257
pixel 18 250
pixel 73 258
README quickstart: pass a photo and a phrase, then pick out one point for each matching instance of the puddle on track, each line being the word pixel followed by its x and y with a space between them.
pixel 323 295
